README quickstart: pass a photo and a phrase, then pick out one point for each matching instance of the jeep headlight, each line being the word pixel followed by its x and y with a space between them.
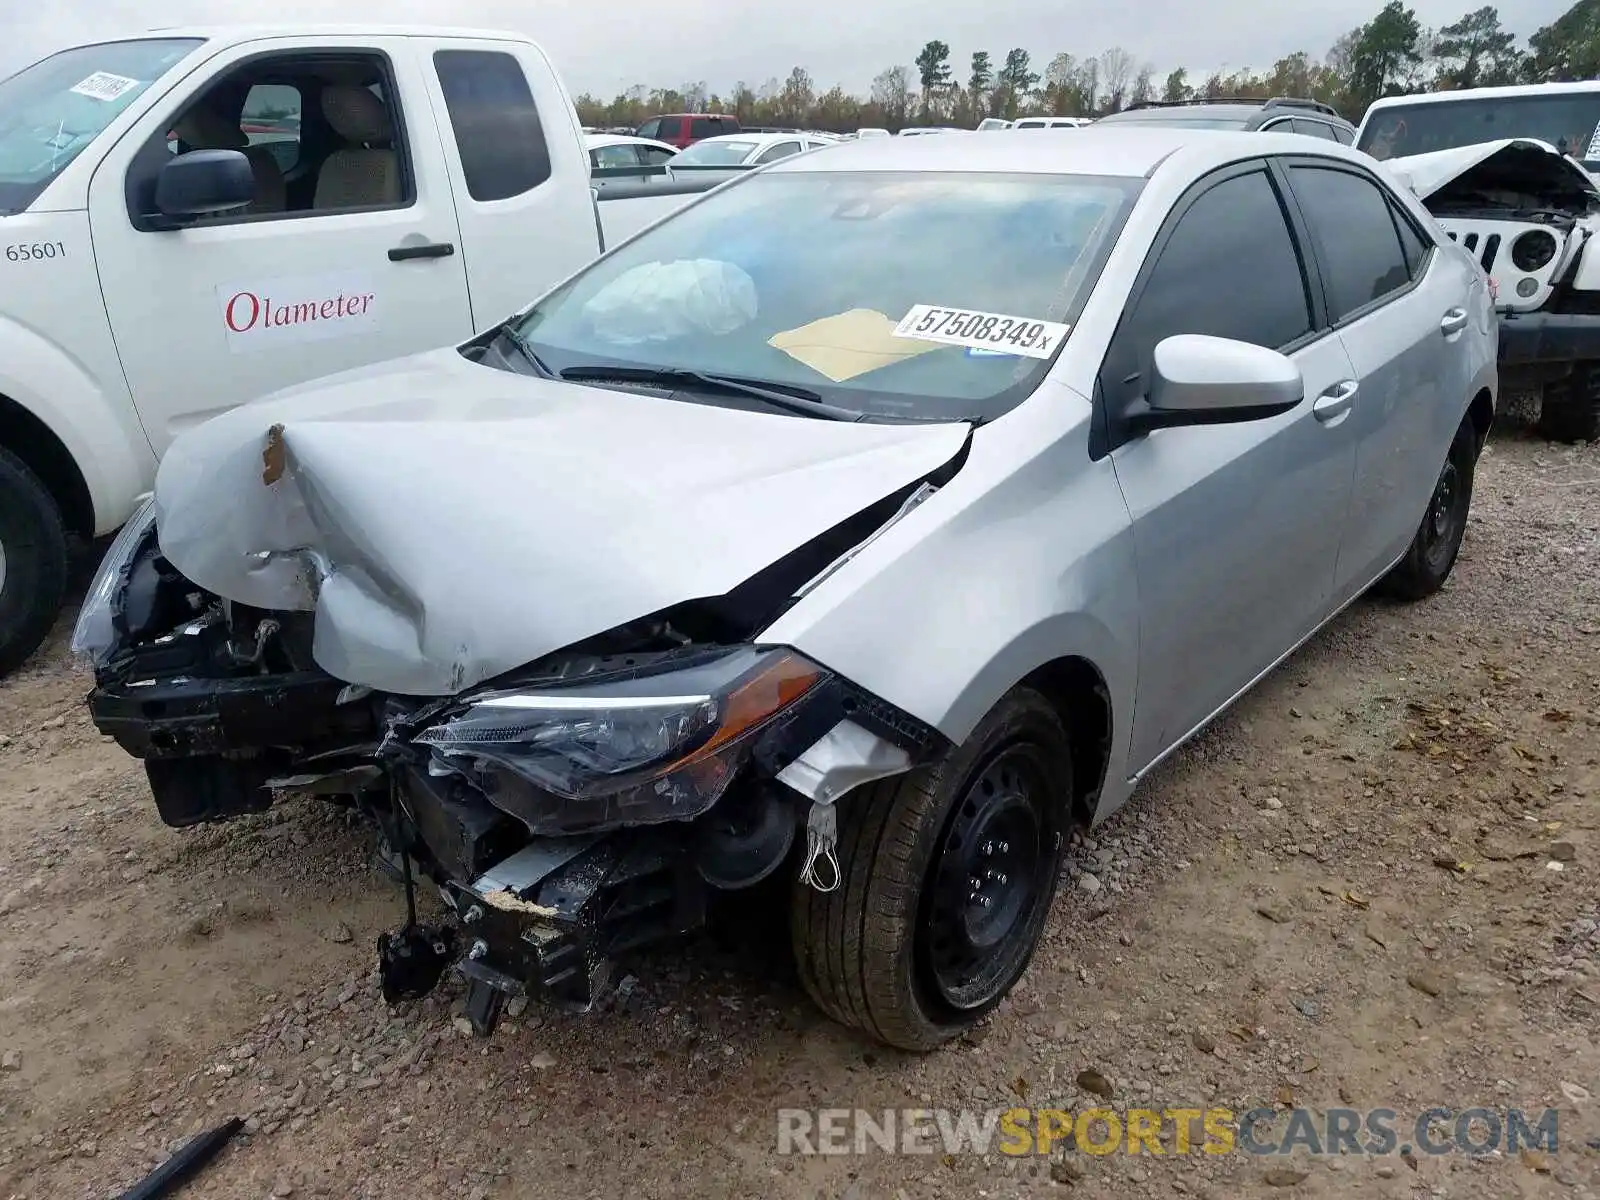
pixel 96 634
pixel 630 749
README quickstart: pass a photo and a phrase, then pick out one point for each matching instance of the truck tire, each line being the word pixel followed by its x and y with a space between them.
pixel 33 562
pixel 946 877
pixel 1569 410
pixel 1432 554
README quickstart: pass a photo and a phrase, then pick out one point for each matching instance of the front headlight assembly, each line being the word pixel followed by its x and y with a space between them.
pixel 630 750
pixel 96 633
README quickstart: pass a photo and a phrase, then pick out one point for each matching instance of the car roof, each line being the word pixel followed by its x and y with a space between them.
pixel 234 34
pixel 759 139
pixel 1096 149
pixel 594 141
pixel 1509 92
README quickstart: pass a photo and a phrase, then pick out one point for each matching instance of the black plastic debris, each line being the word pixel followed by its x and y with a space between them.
pixel 185 1163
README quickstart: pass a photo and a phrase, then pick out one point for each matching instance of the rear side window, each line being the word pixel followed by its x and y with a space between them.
pixel 704 127
pixel 1412 243
pixel 1344 135
pixel 1319 129
pixel 1353 221
pixel 781 150
pixel 670 127
pixel 651 128
pixel 497 127
pixel 1230 269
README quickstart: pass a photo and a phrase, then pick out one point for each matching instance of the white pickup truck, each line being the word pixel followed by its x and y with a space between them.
pixel 194 218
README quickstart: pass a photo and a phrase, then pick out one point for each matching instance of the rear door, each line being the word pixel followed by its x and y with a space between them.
pixel 1394 300
pixel 216 313
pixel 517 165
pixel 1236 526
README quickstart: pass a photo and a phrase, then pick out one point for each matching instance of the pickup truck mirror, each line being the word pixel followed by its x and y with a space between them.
pixel 1201 380
pixel 203 182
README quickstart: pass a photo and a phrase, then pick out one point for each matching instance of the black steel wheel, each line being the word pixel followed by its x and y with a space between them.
pixel 947 874
pixel 1433 551
pixel 992 869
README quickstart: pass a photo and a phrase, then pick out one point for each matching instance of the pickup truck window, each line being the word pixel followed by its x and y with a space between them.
pixel 50 111
pixel 800 279
pixel 498 132
pixel 321 130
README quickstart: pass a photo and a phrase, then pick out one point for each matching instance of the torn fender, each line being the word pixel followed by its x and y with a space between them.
pixel 448 522
pixel 1512 164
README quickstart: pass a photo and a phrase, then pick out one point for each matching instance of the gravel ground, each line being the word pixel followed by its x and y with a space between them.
pixel 1376 882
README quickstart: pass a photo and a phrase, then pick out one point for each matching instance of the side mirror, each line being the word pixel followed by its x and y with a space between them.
pixel 1201 380
pixel 204 182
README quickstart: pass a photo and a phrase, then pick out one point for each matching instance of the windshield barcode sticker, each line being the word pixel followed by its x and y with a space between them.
pixel 982 330
pixel 103 85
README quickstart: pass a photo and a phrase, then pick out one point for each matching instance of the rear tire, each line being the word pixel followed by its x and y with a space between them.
pixel 947 874
pixel 1569 410
pixel 1433 550
pixel 33 562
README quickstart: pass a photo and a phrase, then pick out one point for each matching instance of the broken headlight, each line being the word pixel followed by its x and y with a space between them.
pixel 96 633
pixel 633 750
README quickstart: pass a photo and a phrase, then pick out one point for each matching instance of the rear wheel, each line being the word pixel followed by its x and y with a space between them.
pixel 947 874
pixel 33 562
pixel 1433 551
pixel 1569 410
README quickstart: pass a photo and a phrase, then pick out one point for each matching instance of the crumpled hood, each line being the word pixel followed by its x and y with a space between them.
pixel 448 522
pixel 1537 164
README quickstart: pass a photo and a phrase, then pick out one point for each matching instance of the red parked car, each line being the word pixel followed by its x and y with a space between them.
pixel 684 129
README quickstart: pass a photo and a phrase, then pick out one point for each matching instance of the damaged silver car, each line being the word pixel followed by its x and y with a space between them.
pixel 875 519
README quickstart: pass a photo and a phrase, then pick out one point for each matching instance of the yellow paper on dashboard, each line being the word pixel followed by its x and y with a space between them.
pixel 848 344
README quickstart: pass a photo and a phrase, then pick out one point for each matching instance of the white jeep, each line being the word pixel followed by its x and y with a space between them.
pixel 1507 172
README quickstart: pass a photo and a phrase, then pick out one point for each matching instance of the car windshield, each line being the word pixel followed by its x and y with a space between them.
pixel 800 279
pixel 714 154
pixel 51 110
pixel 1569 121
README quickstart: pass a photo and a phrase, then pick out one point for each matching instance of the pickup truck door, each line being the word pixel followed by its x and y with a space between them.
pixel 349 258
pixel 1236 526
pixel 518 169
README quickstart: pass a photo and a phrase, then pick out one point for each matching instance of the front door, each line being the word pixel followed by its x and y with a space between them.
pixel 1236 527
pixel 349 257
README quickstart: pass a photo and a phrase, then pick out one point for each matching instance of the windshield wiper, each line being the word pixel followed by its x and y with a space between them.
pixel 509 332
pixel 789 397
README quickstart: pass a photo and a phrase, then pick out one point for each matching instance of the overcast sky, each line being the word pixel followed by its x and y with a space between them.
pixel 608 46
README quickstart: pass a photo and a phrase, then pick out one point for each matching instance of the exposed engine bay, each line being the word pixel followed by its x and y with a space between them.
pixel 568 812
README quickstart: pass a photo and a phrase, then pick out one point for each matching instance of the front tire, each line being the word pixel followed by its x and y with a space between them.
pixel 947 874
pixel 33 562
pixel 1569 410
pixel 1433 551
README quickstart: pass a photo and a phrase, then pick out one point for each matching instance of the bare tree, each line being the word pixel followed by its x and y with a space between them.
pixel 1144 85
pixel 1116 70
pixel 891 91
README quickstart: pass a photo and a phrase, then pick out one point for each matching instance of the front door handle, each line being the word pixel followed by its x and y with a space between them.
pixel 1334 403
pixel 426 250
pixel 1453 322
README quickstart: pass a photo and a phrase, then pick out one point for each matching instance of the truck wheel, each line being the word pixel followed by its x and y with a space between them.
pixel 947 874
pixel 1433 551
pixel 33 562
pixel 1569 410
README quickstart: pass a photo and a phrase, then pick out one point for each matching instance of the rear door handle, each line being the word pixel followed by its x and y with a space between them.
pixel 1453 322
pixel 427 250
pixel 1334 403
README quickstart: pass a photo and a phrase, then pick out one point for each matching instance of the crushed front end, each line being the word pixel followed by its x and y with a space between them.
pixel 569 812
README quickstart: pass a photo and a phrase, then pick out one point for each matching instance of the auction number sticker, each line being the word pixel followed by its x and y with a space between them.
pixel 103 85
pixel 976 330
